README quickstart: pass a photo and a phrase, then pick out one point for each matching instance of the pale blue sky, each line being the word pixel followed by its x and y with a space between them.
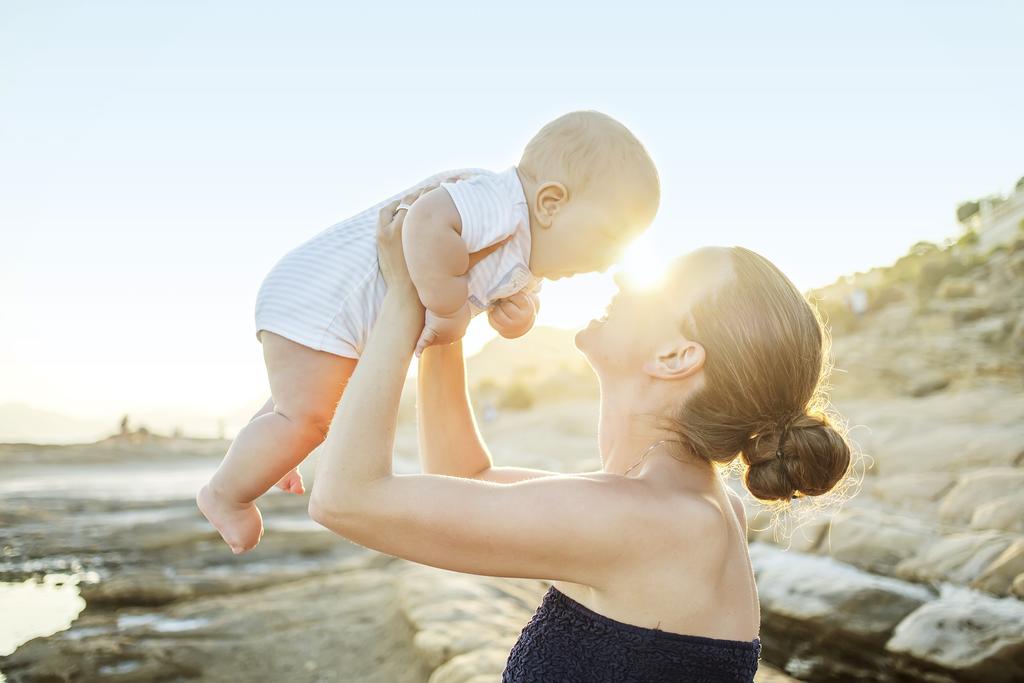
pixel 157 158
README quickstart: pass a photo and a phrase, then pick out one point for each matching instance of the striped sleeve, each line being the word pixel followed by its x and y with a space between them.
pixel 485 209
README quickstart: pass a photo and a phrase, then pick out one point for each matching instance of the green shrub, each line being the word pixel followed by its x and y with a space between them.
pixel 923 248
pixel 969 238
pixel 880 297
pixel 934 273
pixel 966 210
pixel 516 397
pixel 836 314
pixel 486 386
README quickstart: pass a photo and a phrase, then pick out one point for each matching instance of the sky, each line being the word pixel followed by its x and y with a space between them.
pixel 156 159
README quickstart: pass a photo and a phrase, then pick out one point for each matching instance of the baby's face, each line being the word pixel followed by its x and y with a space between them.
pixel 584 237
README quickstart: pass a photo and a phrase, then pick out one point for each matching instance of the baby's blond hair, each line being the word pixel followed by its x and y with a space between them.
pixel 591 152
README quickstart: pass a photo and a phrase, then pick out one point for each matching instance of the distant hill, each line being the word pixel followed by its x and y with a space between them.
pixel 542 366
pixel 20 422
pixel 541 354
pixel 545 360
pixel 941 317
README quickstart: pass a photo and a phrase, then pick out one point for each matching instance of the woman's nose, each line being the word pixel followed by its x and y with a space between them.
pixel 620 279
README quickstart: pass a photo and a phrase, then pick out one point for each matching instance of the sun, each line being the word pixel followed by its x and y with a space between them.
pixel 641 264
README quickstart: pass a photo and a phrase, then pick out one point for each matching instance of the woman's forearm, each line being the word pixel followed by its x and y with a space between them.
pixel 448 437
pixel 358 449
pixel 450 443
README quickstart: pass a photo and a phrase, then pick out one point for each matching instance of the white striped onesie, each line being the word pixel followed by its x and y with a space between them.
pixel 327 292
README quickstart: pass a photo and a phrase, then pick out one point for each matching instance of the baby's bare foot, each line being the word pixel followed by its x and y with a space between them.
pixel 239 524
pixel 291 482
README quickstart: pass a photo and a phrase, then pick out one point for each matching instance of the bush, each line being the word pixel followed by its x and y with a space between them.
pixel 923 248
pixel 883 296
pixel 934 273
pixel 966 210
pixel 516 397
pixel 969 238
pixel 486 386
pixel 836 314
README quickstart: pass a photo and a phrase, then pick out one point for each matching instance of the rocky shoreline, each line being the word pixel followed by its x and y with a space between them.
pixel 901 584
pixel 916 576
pixel 165 601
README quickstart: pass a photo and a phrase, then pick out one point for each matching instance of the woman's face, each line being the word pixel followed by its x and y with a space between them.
pixel 639 322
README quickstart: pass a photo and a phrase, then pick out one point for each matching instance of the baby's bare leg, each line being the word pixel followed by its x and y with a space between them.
pixel 306 386
pixel 268 407
pixel 291 482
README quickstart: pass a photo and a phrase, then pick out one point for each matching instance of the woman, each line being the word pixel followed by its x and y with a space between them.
pixel 648 557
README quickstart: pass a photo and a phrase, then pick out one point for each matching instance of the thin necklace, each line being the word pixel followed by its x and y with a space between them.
pixel 649 449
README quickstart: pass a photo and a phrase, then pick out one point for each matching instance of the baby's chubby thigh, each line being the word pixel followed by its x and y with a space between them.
pixel 306 384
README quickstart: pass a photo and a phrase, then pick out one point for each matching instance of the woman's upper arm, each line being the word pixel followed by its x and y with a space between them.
pixel 569 527
pixel 511 475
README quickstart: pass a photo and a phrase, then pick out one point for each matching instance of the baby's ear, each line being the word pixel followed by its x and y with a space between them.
pixel 549 199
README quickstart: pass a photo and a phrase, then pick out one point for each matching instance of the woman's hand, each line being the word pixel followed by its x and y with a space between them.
pixel 389 239
pixel 438 328
pixel 389 249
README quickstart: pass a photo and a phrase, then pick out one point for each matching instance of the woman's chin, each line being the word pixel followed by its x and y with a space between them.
pixel 583 337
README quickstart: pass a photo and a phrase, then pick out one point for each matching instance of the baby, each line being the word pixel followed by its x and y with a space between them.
pixel 584 188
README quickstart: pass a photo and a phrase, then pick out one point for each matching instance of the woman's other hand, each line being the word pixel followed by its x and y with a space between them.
pixel 389 246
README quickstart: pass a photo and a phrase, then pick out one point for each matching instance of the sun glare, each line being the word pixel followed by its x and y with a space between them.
pixel 641 264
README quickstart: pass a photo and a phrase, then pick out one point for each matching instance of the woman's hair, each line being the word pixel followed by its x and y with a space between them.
pixel 766 362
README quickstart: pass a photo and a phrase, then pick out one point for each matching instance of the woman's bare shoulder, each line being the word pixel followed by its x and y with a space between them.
pixel 738 507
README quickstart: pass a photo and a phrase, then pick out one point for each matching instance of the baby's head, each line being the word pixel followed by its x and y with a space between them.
pixel 591 188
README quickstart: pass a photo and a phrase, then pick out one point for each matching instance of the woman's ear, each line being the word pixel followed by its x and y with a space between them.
pixel 548 200
pixel 678 360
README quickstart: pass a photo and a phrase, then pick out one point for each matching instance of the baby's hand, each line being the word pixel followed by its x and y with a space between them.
pixel 439 329
pixel 513 317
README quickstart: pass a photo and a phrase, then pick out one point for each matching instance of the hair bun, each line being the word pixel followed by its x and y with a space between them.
pixel 814 457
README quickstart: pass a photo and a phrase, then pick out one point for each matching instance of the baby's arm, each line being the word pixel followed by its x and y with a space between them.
pixel 438 260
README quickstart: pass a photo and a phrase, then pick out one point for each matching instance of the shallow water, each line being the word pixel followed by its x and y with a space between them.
pixel 41 607
pixel 131 482
pixel 158 623
pixel 36 608
pixel 128 482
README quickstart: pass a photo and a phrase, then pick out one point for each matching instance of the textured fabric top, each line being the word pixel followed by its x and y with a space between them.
pixel 327 292
pixel 492 206
pixel 566 641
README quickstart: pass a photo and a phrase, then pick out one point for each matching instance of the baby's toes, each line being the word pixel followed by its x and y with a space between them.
pixel 291 482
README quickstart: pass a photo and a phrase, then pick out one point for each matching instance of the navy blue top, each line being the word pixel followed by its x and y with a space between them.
pixel 567 642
